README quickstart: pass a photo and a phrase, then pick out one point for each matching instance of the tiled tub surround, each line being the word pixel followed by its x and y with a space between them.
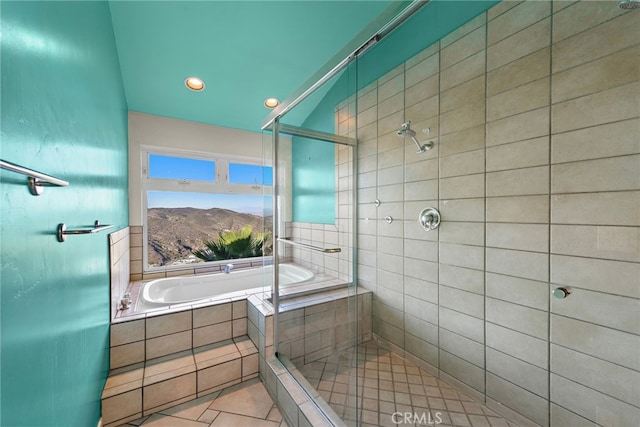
pixel 533 108
pixel 163 360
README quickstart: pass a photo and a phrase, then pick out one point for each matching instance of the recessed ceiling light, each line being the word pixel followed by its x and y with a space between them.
pixel 271 102
pixel 194 83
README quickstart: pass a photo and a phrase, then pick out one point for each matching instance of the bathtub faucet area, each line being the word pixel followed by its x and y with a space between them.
pixel 228 268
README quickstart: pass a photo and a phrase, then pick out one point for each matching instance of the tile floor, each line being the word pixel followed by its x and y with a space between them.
pixel 245 404
pixel 388 384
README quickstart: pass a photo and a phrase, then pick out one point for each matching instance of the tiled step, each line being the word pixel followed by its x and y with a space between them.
pixel 145 388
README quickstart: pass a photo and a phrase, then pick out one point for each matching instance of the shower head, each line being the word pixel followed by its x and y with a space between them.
pixel 406 132
pixel 629 4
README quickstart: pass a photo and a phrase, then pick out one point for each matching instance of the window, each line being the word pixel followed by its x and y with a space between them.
pixel 198 204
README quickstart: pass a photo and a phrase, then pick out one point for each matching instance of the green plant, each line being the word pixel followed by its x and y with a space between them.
pixel 233 244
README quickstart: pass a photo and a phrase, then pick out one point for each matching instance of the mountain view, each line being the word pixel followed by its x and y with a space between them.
pixel 175 232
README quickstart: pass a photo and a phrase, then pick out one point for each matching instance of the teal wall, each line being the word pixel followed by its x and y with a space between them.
pixel 311 199
pixel 63 113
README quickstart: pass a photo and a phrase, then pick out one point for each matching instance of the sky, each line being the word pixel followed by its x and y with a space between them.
pixel 168 167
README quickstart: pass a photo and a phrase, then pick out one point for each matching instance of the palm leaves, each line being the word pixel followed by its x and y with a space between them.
pixel 233 244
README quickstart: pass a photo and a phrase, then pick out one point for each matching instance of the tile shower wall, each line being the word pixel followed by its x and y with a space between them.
pixel 533 108
pixel 119 263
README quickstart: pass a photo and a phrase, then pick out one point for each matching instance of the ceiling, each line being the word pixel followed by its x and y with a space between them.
pixel 245 51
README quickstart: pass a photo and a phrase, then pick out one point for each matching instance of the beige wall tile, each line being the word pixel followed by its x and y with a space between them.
pixel 390 124
pixel 462 187
pixel 562 417
pixel 422 349
pixel 422 329
pixel 519 72
pixel 422 70
pixel 421 269
pixel 168 344
pixel 368 116
pixel 532 152
pixel 168 324
pixel 622 207
pixel 462 94
pixel 462 370
pixel 517 19
pixel 619 312
pixel 524 347
pixel 518 182
pixel 467 279
pixel 421 289
pixel 127 354
pixel 582 16
pixel 594 43
pixel 531 209
pixel 211 315
pixel 604 343
pixel 465 348
pixel 520 318
pixel 464 302
pixel 462 255
pixel 607 242
pixel 614 277
pixel 462 48
pixel 461 141
pixel 368 98
pixel 168 391
pixel 126 332
pixel 610 174
pixel 122 406
pixel 531 124
pixel 468 233
pixel 462 210
pixel 461 324
pixel 421 111
pixel 421 190
pixel 526 237
pixel 470 162
pixel 618 69
pixel 424 89
pixel 212 334
pixel 468 116
pixel 619 103
pixel 592 404
pixel 523 43
pixel 463 71
pixel 389 106
pixel 521 373
pixel 585 144
pixel 614 380
pixel 420 249
pixel 421 171
pixel 528 265
pixel 520 291
pixel 529 96
pixel 518 399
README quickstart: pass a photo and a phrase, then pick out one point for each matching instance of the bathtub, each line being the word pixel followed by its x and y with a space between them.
pixel 194 289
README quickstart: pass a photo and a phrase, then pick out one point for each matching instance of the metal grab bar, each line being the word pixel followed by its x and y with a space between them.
pixel 63 232
pixel 288 241
pixel 37 180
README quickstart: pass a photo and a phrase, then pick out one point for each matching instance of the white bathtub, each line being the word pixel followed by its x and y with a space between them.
pixel 191 289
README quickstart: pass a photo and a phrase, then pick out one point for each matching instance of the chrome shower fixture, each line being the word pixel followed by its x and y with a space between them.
pixel 406 132
pixel 629 4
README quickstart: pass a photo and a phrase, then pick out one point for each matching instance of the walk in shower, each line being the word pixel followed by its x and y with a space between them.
pixel 439 186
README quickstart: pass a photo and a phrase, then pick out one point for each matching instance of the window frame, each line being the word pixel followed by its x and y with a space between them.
pixel 220 185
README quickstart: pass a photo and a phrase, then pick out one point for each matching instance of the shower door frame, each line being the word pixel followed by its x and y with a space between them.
pixel 277 128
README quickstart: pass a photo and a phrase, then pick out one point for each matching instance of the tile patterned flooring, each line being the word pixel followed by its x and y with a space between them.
pixel 245 404
pixel 388 384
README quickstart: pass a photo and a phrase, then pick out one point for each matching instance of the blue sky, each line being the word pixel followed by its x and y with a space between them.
pixel 168 167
